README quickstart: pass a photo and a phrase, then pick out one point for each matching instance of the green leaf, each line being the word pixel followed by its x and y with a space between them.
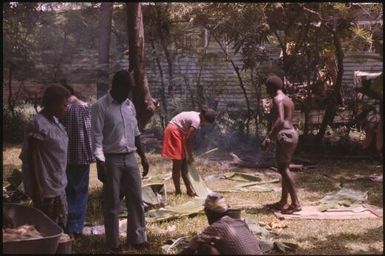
pixel 284 246
pixel 266 245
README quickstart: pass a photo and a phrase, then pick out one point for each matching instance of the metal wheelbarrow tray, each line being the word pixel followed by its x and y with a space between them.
pixel 22 215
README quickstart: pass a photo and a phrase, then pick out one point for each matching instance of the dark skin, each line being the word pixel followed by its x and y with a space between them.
pixel 48 112
pixel 180 166
pixel 120 93
pixel 284 107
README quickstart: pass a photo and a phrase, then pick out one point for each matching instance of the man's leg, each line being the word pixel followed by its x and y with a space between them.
pixel 285 189
pixel 136 225
pixel 284 194
pixel 185 178
pixel 176 170
pixel 207 249
pixel 77 196
pixel 111 191
pixel 295 205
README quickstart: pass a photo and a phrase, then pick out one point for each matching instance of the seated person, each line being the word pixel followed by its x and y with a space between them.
pixel 225 235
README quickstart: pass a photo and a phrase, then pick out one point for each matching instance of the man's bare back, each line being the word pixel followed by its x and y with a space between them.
pixel 288 109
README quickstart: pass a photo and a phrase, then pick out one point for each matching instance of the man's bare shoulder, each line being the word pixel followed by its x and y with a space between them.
pixel 279 98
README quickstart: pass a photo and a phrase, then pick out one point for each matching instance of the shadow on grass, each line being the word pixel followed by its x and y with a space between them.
pixel 332 177
pixel 338 243
pixel 96 244
pixel 315 182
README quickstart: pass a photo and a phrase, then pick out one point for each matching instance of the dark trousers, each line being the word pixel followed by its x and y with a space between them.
pixel 77 196
pixel 123 176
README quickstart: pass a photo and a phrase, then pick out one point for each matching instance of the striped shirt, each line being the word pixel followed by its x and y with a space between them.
pixel 114 127
pixel 78 125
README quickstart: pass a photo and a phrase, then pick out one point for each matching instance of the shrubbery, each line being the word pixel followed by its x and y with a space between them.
pixel 14 123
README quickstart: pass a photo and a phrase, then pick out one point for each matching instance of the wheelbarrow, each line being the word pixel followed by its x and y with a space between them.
pixel 22 215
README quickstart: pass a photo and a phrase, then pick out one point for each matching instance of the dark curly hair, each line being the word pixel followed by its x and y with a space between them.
pixel 208 113
pixel 274 82
pixel 54 94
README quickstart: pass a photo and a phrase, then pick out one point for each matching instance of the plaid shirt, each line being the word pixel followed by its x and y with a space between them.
pixel 78 124
pixel 228 236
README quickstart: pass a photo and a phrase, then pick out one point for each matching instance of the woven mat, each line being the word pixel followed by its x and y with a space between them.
pixel 312 212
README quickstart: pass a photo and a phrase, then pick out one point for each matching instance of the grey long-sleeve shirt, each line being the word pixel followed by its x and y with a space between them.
pixel 114 127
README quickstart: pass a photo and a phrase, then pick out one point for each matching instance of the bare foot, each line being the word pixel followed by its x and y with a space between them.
pixel 191 193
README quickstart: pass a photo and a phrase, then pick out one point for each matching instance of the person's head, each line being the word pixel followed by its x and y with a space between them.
pixel 273 84
pixel 215 207
pixel 207 115
pixel 122 85
pixel 55 99
pixel 67 86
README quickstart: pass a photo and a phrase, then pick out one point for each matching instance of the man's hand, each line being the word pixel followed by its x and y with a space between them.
pixel 190 159
pixel 145 166
pixel 38 196
pixel 265 144
pixel 100 168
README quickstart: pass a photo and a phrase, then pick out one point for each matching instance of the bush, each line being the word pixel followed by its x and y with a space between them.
pixel 14 123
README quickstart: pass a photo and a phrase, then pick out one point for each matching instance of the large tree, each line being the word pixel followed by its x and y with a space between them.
pixel 104 48
pixel 144 103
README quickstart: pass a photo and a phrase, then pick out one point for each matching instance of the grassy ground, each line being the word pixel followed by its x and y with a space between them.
pixel 331 237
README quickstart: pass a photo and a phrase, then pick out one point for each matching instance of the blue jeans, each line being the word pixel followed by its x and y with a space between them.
pixel 77 196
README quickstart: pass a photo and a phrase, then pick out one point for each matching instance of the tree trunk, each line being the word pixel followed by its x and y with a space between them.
pixel 11 105
pixel 257 88
pixel 164 115
pixel 104 48
pixel 144 103
pixel 331 108
pixel 236 69
pixel 200 89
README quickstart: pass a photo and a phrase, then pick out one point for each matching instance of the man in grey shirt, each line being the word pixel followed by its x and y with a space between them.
pixel 115 137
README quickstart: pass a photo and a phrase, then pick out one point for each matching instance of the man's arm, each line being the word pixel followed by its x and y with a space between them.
pixel 208 236
pixel 32 158
pixel 277 126
pixel 97 124
pixel 190 133
pixel 139 150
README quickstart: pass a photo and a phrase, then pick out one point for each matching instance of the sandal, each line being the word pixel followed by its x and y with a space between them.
pixel 291 209
pixel 276 206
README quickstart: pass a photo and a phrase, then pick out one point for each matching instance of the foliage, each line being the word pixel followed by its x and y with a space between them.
pixel 20 24
pixel 14 123
pixel 53 33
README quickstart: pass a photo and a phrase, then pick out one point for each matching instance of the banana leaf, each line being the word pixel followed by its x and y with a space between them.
pixel 198 184
pixel 343 198
pixel 237 176
pixel 192 207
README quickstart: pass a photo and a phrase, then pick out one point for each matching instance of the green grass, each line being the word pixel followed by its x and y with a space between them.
pixel 330 237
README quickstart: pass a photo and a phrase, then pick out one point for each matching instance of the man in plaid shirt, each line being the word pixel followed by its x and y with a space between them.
pixel 78 125
pixel 225 235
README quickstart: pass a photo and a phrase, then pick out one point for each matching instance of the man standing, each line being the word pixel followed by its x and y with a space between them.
pixel 78 125
pixel 286 138
pixel 115 141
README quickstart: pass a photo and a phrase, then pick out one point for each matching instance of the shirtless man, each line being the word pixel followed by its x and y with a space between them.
pixel 286 141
